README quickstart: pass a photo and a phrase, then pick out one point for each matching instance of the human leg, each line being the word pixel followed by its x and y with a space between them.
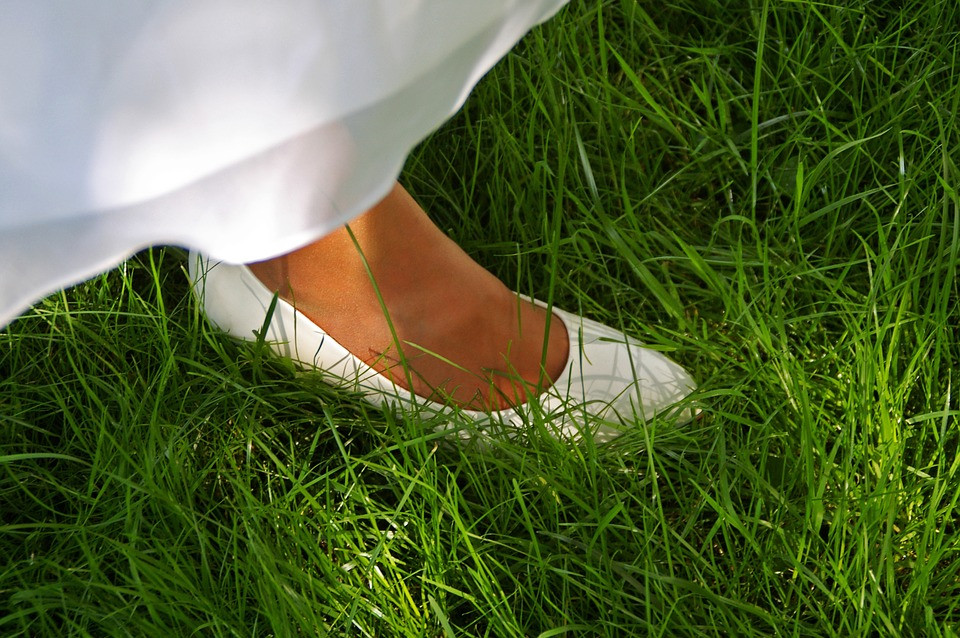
pixel 464 335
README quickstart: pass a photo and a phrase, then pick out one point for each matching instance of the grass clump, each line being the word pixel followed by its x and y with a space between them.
pixel 766 190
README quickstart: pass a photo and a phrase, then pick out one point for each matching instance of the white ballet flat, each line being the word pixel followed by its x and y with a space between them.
pixel 607 376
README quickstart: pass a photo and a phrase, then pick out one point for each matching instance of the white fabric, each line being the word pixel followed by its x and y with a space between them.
pixel 242 128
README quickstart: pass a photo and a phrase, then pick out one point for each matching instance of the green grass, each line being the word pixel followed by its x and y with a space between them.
pixel 766 190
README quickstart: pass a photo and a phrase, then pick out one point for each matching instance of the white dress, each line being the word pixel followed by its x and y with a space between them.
pixel 242 128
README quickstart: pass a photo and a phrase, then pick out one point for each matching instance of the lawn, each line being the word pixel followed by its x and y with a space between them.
pixel 765 190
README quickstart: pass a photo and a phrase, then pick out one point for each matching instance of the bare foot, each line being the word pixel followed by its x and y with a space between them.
pixel 465 337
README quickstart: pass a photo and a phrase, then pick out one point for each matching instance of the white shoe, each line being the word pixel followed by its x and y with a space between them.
pixel 607 376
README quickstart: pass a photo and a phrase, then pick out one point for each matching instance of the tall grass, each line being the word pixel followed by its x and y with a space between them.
pixel 766 190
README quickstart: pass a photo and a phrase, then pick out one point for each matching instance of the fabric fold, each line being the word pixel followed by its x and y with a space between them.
pixel 239 128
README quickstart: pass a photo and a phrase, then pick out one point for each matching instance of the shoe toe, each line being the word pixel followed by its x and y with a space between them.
pixel 616 379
